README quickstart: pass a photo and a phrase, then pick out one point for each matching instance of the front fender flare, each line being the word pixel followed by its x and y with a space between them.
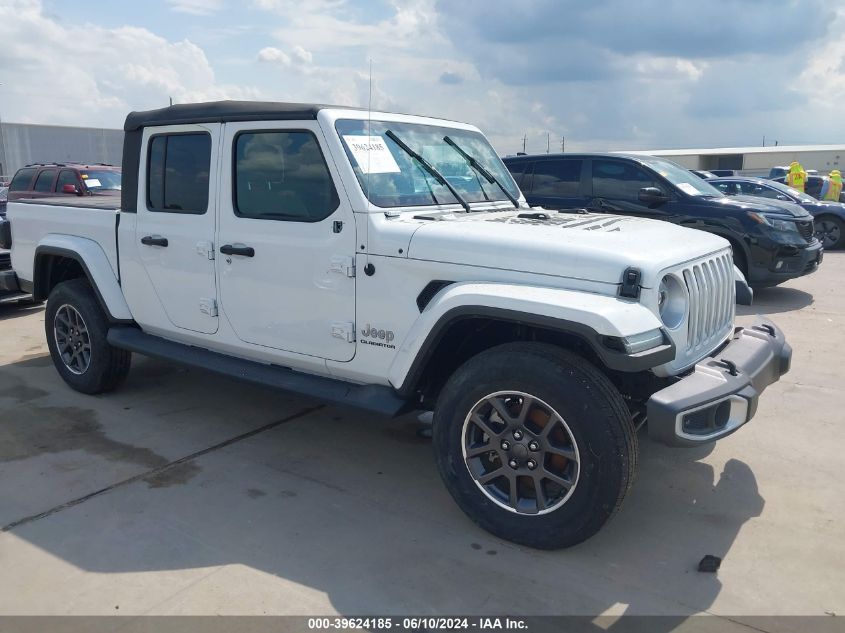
pixel 93 261
pixel 588 316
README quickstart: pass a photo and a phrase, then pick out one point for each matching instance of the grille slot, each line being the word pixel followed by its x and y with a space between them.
pixel 5 261
pixel 712 293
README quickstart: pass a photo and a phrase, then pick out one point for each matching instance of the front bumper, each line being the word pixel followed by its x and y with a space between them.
pixel 788 262
pixel 720 395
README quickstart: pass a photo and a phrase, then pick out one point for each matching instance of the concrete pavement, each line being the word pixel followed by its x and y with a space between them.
pixel 186 493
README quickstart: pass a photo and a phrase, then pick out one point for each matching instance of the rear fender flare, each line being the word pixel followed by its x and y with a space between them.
pixel 93 260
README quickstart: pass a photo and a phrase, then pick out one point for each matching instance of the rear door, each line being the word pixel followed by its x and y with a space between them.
pixel 45 184
pixel 556 183
pixel 176 221
pixel 286 241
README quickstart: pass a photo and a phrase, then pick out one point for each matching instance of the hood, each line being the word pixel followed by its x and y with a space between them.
pixel 590 246
pixel 767 205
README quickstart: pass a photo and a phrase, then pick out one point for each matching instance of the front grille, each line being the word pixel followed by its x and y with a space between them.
pixel 806 229
pixel 5 261
pixel 712 293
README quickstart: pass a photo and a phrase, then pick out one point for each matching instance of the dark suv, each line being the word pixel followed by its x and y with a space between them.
pixel 771 243
pixel 64 179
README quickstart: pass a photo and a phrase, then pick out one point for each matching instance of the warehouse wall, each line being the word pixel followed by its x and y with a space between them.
pixel 22 143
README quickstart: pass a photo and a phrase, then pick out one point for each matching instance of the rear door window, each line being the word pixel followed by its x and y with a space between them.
pixel 517 170
pixel 44 182
pixel 178 167
pixel 619 180
pixel 21 180
pixel 557 178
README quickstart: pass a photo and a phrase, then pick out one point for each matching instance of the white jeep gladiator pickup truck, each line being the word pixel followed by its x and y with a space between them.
pixel 389 262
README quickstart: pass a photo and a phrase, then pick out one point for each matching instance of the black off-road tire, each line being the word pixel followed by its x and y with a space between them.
pixel 107 366
pixel 598 421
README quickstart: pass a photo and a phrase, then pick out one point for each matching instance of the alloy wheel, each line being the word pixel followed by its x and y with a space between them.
pixel 73 341
pixel 520 452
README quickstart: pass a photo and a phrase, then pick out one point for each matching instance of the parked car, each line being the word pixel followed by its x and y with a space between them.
pixel 770 245
pixel 814 186
pixel 9 288
pixel 46 180
pixel 829 217
pixel 781 171
pixel 707 175
pixel 314 249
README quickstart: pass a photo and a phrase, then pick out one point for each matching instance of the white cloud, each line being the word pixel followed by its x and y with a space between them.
pixel 113 70
pixel 196 7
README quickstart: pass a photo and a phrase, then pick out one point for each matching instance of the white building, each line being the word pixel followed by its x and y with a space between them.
pixel 24 143
pixel 756 161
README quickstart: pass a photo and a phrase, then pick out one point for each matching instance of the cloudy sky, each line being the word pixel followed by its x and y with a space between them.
pixel 604 74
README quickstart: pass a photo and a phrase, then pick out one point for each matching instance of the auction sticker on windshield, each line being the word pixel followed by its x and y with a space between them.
pixel 372 154
pixel 687 188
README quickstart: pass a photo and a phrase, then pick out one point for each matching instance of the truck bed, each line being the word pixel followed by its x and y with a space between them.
pixel 49 221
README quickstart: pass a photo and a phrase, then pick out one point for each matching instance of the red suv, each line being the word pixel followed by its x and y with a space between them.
pixel 64 179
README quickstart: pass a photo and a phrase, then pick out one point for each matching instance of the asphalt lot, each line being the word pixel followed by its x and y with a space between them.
pixel 186 493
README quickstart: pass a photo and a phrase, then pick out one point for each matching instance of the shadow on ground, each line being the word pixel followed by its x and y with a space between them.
pixel 776 300
pixel 342 503
pixel 15 309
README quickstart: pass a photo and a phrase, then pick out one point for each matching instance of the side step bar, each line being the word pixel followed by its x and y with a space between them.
pixel 376 398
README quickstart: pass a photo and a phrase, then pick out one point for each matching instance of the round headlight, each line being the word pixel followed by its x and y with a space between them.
pixel 671 301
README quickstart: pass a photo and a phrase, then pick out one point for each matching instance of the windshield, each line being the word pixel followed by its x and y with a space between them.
pixel 390 177
pixel 101 179
pixel 803 197
pixel 682 178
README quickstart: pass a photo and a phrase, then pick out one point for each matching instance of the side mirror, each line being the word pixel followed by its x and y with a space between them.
pixel 652 195
pixel 70 189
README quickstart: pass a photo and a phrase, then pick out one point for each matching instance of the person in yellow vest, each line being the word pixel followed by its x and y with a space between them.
pixel 833 186
pixel 796 177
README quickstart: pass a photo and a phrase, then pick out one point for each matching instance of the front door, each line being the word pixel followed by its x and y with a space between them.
pixel 616 189
pixel 286 242
pixel 176 221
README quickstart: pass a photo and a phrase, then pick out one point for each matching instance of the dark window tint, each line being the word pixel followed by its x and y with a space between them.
pixel 556 178
pixel 177 173
pixel 517 170
pixel 66 177
pixel 729 188
pixel 44 182
pixel 753 189
pixel 617 180
pixel 21 180
pixel 282 176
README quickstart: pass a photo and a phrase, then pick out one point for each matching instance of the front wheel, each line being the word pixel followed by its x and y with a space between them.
pixel 534 444
pixel 76 330
pixel 830 231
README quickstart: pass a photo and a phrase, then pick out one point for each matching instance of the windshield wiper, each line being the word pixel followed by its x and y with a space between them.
pixel 481 170
pixel 429 168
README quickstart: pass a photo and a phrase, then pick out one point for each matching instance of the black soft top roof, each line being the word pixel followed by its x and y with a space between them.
pixel 220 111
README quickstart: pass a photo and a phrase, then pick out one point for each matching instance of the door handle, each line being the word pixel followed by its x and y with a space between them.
pixel 154 240
pixel 240 249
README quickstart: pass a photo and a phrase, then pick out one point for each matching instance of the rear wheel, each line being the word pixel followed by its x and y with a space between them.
pixel 830 231
pixel 76 330
pixel 534 444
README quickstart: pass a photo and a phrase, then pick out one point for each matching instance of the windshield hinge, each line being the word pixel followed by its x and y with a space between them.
pixel 630 286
